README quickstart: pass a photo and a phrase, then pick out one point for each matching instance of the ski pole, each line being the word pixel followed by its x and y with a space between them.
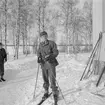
pixel 99 50
pixel 89 67
pixel 98 53
pixel 94 50
pixel 98 68
pixel 100 77
pixel 61 92
pixel 58 86
pixel 36 82
pixel 93 58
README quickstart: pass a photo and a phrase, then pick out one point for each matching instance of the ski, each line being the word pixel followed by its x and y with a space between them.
pixel 43 100
pixel 97 94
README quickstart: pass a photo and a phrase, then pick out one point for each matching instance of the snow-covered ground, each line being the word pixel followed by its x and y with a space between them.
pixel 20 75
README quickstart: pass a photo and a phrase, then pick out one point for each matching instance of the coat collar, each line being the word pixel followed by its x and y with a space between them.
pixel 45 43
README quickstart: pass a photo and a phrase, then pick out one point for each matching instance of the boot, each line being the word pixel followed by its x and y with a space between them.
pixel 55 99
pixel 55 95
pixel 3 79
pixel 46 94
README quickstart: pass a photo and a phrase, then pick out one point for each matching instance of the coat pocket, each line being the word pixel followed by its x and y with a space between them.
pixel 54 61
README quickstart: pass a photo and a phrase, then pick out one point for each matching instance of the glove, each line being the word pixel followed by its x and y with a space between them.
pixel 39 60
pixel 48 57
pixel 5 60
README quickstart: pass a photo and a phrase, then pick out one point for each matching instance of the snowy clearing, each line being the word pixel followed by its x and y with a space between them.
pixel 20 75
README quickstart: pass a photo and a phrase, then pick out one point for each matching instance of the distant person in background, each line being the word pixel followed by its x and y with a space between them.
pixel 47 54
pixel 3 59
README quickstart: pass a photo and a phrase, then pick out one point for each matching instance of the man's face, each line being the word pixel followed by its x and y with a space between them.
pixel 43 38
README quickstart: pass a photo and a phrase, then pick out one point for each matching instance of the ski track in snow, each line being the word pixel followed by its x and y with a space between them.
pixel 20 75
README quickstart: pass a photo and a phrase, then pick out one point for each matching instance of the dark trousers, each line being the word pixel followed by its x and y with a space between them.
pixel 2 70
pixel 49 73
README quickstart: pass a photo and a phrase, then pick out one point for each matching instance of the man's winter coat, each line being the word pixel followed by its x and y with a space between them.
pixel 3 58
pixel 48 49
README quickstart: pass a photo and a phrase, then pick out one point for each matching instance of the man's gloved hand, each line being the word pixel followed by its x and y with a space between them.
pixel 48 57
pixel 5 60
pixel 39 60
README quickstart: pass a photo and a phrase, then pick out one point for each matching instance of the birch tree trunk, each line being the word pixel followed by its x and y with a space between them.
pixel 1 34
pixel 6 24
pixel 26 36
pixel 18 32
pixel 23 43
pixel 39 24
pixel 43 17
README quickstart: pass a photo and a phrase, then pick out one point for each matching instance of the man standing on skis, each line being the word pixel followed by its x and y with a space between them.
pixel 3 59
pixel 47 54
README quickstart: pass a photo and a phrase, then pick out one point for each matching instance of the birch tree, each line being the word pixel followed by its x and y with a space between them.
pixel 67 10
pixel 18 31
pixel 5 24
pixel 87 10
pixel 4 10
